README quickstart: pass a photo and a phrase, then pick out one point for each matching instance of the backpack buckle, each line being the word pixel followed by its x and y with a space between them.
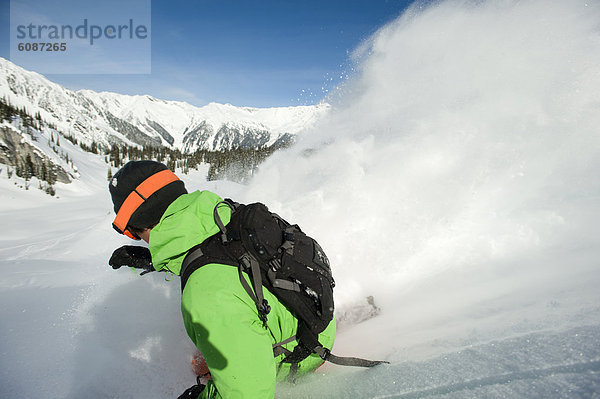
pixel 322 352
pixel 245 261
pixel 264 307
pixel 263 311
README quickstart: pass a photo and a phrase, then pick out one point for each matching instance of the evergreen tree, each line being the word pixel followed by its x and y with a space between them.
pixel 171 164
pixel 44 174
pixel 50 190
pixel 51 173
pixel 28 168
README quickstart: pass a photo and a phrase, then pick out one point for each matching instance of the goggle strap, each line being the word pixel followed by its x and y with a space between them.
pixel 140 194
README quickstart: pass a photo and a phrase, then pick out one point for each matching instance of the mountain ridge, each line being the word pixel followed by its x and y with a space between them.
pixel 111 118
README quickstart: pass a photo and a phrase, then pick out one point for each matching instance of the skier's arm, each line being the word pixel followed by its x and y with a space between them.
pixel 237 349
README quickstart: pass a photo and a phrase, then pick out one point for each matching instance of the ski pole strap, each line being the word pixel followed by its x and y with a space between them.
pixel 346 361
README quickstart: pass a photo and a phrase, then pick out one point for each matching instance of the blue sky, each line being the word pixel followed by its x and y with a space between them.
pixel 247 53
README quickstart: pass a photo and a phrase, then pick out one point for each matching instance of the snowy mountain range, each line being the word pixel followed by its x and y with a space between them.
pixel 108 118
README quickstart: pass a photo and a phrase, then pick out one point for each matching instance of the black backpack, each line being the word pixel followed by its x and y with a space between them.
pixel 280 257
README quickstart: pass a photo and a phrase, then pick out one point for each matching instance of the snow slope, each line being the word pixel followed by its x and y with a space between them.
pixel 455 181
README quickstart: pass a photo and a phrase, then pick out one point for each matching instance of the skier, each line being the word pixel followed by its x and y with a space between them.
pixel 244 351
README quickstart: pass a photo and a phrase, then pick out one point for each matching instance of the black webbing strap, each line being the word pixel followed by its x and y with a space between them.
pixel 246 285
pixel 186 271
pixel 346 361
pixel 219 222
pixel 281 283
pixel 248 262
pixel 189 258
pixel 278 348
pixel 308 342
pixel 307 339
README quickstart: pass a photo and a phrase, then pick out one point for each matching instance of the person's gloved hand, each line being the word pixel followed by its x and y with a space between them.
pixel 133 256
pixel 193 392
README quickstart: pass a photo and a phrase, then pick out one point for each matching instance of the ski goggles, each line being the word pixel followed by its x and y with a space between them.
pixel 137 197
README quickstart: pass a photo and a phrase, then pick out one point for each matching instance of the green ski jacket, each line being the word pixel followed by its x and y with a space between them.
pixel 219 315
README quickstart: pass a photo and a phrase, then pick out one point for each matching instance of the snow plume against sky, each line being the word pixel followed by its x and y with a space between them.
pixel 456 178
pixel 260 53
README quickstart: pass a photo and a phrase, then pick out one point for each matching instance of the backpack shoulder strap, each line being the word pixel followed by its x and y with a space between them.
pixel 210 251
pixel 186 271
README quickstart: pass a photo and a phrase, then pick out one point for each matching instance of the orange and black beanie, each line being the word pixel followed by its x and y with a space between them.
pixel 131 175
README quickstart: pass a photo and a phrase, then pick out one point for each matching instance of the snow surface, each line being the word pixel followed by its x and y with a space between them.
pixel 455 181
